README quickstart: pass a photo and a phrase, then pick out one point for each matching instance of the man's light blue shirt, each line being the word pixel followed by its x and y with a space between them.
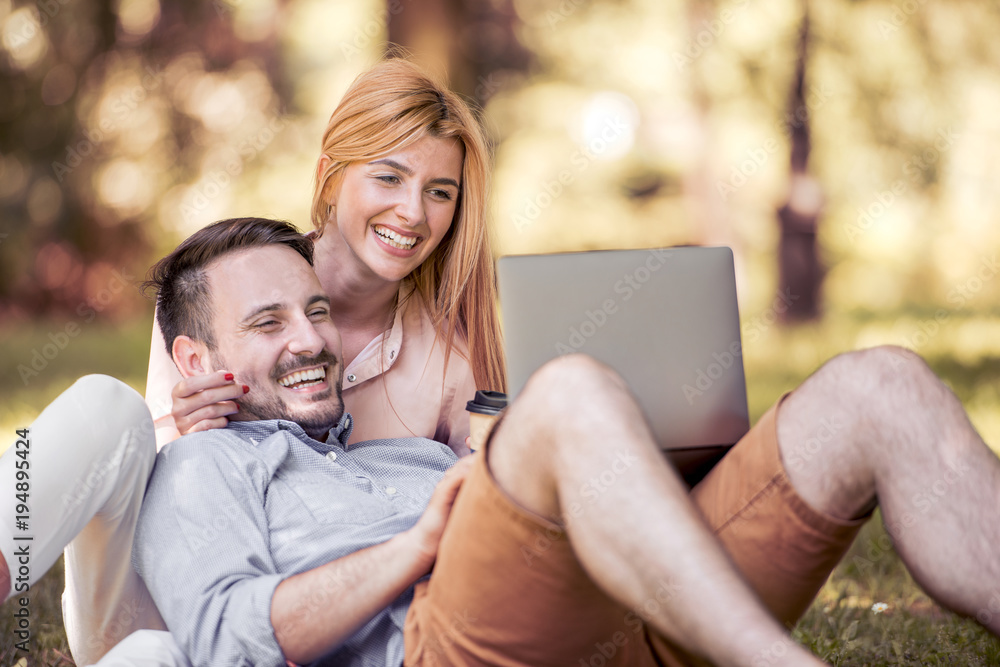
pixel 230 513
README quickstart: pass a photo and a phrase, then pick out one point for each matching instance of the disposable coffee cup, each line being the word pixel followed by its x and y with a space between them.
pixel 484 410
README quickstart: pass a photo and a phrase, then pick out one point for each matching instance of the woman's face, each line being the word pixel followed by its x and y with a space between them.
pixel 392 212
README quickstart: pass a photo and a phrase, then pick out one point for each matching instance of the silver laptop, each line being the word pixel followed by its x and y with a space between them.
pixel 666 319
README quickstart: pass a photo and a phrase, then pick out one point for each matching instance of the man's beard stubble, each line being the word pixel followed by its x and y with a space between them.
pixel 262 403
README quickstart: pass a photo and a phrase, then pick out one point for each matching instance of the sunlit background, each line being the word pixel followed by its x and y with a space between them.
pixel 846 150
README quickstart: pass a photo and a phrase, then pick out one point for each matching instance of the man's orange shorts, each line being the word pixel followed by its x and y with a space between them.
pixel 507 588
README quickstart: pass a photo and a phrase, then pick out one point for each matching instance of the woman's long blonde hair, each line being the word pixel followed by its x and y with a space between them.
pixel 389 107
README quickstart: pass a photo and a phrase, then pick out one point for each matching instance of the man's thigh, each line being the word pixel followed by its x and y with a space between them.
pixel 783 547
pixel 508 590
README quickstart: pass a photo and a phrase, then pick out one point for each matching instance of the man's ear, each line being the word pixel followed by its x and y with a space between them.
pixel 191 357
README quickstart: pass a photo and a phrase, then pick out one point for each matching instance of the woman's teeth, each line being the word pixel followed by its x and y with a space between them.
pixel 303 378
pixel 396 240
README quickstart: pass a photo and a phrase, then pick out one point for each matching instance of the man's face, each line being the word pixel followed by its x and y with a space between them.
pixel 273 331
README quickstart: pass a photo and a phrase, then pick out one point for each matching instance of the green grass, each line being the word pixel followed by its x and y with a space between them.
pixel 842 629
pixel 121 351
pixel 840 626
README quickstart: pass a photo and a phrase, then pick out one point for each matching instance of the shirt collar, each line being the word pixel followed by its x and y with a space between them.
pixel 262 428
pixel 383 351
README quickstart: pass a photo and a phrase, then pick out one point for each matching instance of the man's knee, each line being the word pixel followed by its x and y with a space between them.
pixel 872 372
pixel 104 394
pixel 572 383
pixel 124 418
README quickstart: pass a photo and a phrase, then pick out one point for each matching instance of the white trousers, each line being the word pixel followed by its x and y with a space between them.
pixel 146 648
pixel 91 453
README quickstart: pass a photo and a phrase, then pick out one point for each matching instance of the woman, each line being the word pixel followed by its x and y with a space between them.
pixel 402 249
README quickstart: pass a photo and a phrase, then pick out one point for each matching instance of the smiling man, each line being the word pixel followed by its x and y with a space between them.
pixel 272 540
pixel 243 314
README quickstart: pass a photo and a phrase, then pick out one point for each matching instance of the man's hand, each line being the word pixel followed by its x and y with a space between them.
pixel 203 402
pixel 425 537
pixel 362 583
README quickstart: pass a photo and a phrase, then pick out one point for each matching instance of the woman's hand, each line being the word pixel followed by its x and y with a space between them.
pixel 203 402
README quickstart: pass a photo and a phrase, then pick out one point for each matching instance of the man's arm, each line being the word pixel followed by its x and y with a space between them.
pixel 202 547
pixel 363 583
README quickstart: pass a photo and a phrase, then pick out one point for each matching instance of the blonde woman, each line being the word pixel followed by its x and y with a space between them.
pixel 403 250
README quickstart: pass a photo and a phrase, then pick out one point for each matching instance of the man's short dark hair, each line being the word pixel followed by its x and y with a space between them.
pixel 183 299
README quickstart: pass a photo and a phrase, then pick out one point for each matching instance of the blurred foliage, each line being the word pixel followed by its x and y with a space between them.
pixel 126 124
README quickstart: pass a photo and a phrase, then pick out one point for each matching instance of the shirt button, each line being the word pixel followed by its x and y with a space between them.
pixel 352 377
pixel 390 490
pixel 332 456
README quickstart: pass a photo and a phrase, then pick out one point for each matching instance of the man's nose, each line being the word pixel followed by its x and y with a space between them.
pixel 305 339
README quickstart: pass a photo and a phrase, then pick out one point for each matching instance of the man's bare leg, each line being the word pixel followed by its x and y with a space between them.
pixel 879 425
pixel 588 457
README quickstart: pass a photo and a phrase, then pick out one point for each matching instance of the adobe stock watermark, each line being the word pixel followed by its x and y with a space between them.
pixel 804 452
pixel 705 378
pixel 613 130
pixel 773 654
pixel 605 651
pixel 122 106
pixel 992 609
pixel 756 158
pixel 913 168
pixel 590 489
pixel 900 14
pixel 960 295
pixel 924 500
pixel 824 434
pixel 225 7
pixel 563 11
pixel 87 312
pixel 450 635
pixel 121 625
pixel 710 31
pixel 134 439
pixel 630 283
pixel 46 11
pixel 219 180
pixel 371 32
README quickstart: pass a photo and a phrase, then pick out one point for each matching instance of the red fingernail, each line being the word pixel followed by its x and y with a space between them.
pixel 245 389
pixel 230 377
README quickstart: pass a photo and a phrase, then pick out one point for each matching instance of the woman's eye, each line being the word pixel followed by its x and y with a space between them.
pixel 389 179
pixel 442 194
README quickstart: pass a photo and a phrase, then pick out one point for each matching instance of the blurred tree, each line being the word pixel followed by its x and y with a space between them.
pixel 474 41
pixel 800 273
pixel 103 107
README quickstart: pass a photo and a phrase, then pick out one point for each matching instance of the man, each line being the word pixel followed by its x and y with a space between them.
pixel 572 541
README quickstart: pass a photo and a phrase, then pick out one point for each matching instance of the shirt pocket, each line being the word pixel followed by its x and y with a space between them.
pixel 332 503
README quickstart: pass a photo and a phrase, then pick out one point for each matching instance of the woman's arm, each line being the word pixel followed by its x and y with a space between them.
pixel 161 377
pixel 461 384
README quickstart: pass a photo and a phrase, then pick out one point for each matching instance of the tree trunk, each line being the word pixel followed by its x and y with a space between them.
pixel 800 272
pixel 472 42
